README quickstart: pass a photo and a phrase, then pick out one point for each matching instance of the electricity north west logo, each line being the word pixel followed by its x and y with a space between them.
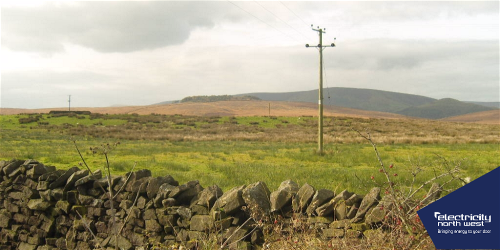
pixel 458 220
pixel 455 224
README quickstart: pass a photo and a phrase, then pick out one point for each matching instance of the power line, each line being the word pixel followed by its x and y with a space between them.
pixel 263 21
pixel 326 83
pixel 280 19
pixel 295 14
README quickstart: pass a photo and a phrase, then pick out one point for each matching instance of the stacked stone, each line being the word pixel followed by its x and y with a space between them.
pixel 232 213
pixel 71 209
pixel 322 211
pixel 45 208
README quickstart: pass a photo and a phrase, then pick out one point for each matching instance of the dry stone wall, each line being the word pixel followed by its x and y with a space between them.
pixel 42 207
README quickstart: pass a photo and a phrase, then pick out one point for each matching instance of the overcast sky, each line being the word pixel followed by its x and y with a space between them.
pixel 145 52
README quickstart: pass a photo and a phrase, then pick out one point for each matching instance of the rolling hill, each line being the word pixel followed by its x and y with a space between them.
pixel 226 108
pixel 259 108
pixel 338 101
pixel 443 108
pixel 488 104
pixel 383 101
pixel 366 99
pixel 485 117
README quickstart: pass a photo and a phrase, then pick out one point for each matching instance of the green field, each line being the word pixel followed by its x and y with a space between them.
pixel 232 151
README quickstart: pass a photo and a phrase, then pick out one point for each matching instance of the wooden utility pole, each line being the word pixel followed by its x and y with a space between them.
pixel 320 90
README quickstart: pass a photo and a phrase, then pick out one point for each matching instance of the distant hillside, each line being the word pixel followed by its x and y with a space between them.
pixel 166 102
pixel 383 101
pixel 218 98
pixel 260 108
pixel 443 108
pixel 485 117
pixel 488 104
pixel 366 99
pixel 225 108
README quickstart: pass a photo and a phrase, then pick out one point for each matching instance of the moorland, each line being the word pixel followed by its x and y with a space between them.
pixel 239 142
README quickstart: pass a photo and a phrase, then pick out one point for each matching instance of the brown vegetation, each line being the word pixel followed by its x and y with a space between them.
pixel 485 117
pixel 209 122
pixel 301 129
pixel 257 108
pixel 224 108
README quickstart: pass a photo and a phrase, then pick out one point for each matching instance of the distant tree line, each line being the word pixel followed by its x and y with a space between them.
pixel 218 98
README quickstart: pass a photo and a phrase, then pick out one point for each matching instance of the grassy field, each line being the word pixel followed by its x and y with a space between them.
pixel 231 151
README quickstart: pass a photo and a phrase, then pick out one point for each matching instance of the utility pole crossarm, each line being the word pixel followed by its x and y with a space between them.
pixel 320 47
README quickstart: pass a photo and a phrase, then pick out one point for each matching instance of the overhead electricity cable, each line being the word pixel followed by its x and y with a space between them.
pixel 281 19
pixel 263 21
pixel 325 79
pixel 295 14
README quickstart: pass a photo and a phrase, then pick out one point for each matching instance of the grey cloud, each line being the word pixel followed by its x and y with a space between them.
pixel 106 26
pixel 408 66
pixel 39 89
pixel 53 81
pixel 465 70
pixel 362 12
pixel 375 54
pixel 131 26
pixel 378 54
